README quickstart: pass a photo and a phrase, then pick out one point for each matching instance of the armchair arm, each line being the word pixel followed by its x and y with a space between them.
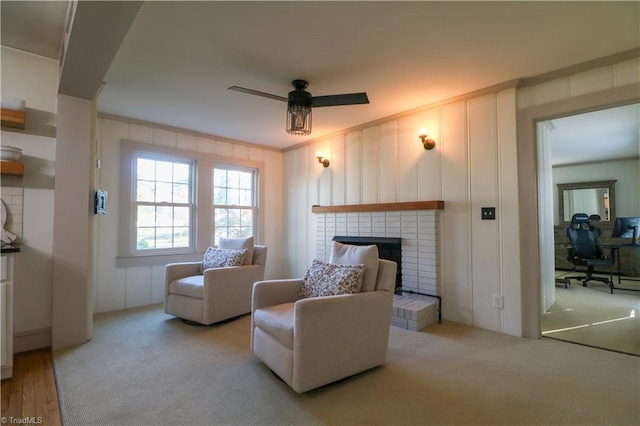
pixel 274 292
pixel 227 290
pixel 337 336
pixel 174 271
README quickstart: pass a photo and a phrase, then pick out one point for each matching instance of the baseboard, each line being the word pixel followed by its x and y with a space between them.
pixel 31 340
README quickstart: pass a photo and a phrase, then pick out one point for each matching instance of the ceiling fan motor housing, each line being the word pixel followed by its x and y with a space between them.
pixel 299 96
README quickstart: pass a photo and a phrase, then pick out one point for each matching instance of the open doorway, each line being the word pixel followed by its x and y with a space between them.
pixel 595 147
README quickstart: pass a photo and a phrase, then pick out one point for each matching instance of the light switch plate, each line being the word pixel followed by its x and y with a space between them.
pixel 488 213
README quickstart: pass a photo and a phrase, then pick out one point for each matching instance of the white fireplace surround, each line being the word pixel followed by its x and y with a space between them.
pixel 418 229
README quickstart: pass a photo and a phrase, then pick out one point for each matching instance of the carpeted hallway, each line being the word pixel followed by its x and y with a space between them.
pixel 144 367
pixel 592 316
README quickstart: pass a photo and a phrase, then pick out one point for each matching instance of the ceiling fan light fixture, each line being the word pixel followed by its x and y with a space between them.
pixel 300 102
pixel 299 119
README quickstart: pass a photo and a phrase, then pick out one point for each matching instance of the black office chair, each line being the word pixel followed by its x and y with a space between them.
pixel 584 251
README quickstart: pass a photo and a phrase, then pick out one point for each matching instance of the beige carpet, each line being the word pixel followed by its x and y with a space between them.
pixel 592 316
pixel 146 368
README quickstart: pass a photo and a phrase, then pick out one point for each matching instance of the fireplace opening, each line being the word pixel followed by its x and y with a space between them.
pixel 388 249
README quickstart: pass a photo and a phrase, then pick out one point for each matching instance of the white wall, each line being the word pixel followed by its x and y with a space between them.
pixel 472 166
pixel 120 288
pixel 34 79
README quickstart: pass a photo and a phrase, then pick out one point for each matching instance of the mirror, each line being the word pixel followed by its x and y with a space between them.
pixel 587 197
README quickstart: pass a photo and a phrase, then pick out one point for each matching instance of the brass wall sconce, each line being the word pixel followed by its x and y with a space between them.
pixel 324 161
pixel 427 143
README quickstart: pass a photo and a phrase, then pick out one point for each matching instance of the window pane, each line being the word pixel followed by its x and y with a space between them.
pixel 246 198
pixel 246 180
pixel 219 177
pixel 163 192
pixel 145 238
pixel 164 171
pixel 164 237
pixel 180 193
pixel 233 197
pixel 233 178
pixel 181 216
pixel 247 217
pixel 145 191
pixel 181 173
pixel 220 217
pixel 146 169
pixel 164 216
pixel 219 196
pixel 233 218
pixel 181 237
pixel 146 216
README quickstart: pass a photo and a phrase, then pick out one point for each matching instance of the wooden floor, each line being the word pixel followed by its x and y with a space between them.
pixel 31 397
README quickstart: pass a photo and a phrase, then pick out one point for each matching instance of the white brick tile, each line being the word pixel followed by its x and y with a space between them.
pixel 10 190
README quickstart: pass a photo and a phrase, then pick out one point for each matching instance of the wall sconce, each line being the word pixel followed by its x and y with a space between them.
pixel 322 160
pixel 426 142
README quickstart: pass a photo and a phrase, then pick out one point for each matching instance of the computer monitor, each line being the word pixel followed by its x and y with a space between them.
pixel 627 227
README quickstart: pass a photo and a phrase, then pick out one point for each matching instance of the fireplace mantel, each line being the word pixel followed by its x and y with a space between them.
pixel 382 207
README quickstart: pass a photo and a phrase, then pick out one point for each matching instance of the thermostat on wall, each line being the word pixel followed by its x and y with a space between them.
pixel 100 204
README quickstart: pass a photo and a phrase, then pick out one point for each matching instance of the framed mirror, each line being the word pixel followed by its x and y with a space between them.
pixel 596 197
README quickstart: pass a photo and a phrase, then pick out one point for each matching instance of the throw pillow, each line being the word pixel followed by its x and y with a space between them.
pixel 326 279
pixel 346 254
pixel 239 244
pixel 218 258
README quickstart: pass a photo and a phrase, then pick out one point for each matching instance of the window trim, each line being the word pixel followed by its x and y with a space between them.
pixel 203 202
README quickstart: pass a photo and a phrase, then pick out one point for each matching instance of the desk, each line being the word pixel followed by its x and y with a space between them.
pixel 615 249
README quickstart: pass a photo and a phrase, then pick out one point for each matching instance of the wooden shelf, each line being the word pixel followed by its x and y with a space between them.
pixel 383 207
pixel 13 119
pixel 11 168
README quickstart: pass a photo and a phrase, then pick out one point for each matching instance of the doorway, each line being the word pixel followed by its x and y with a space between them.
pixel 599 146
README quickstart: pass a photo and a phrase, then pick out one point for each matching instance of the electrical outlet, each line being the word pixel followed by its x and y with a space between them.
pixel 498 301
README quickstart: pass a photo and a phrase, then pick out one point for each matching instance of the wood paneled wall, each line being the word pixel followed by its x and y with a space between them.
pixel 472 166
pixel 120 288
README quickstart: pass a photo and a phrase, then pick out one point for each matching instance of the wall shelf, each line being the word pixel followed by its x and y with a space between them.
pixel 383 207
pixel 13 119
pixel 11 168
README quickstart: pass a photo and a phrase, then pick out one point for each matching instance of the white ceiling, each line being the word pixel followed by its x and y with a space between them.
pixel 178 58
pixel 608 134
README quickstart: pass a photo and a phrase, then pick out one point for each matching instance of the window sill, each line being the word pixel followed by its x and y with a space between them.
pixel 157 259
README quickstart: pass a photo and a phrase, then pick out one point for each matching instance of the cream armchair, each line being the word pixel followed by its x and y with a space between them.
pixel 212 295
pixel 311 342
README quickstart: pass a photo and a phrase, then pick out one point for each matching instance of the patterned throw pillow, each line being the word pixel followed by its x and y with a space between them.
pixel 327 279
pixel 217 258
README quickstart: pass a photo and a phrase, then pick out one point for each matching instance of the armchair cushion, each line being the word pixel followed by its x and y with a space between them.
pixel 327 279
pixel 278 321
pixel 346 254
pixel 239 244
pixel 218 258
pixel 188 286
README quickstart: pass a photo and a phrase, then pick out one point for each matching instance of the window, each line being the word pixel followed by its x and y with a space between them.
pixel 175 203
pixel 234 202
pixel 163 203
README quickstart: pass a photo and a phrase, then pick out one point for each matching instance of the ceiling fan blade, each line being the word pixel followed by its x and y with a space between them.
pixel 257 93
pixel 344 99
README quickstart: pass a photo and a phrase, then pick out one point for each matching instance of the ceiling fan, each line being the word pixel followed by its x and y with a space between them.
pixel 300 102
